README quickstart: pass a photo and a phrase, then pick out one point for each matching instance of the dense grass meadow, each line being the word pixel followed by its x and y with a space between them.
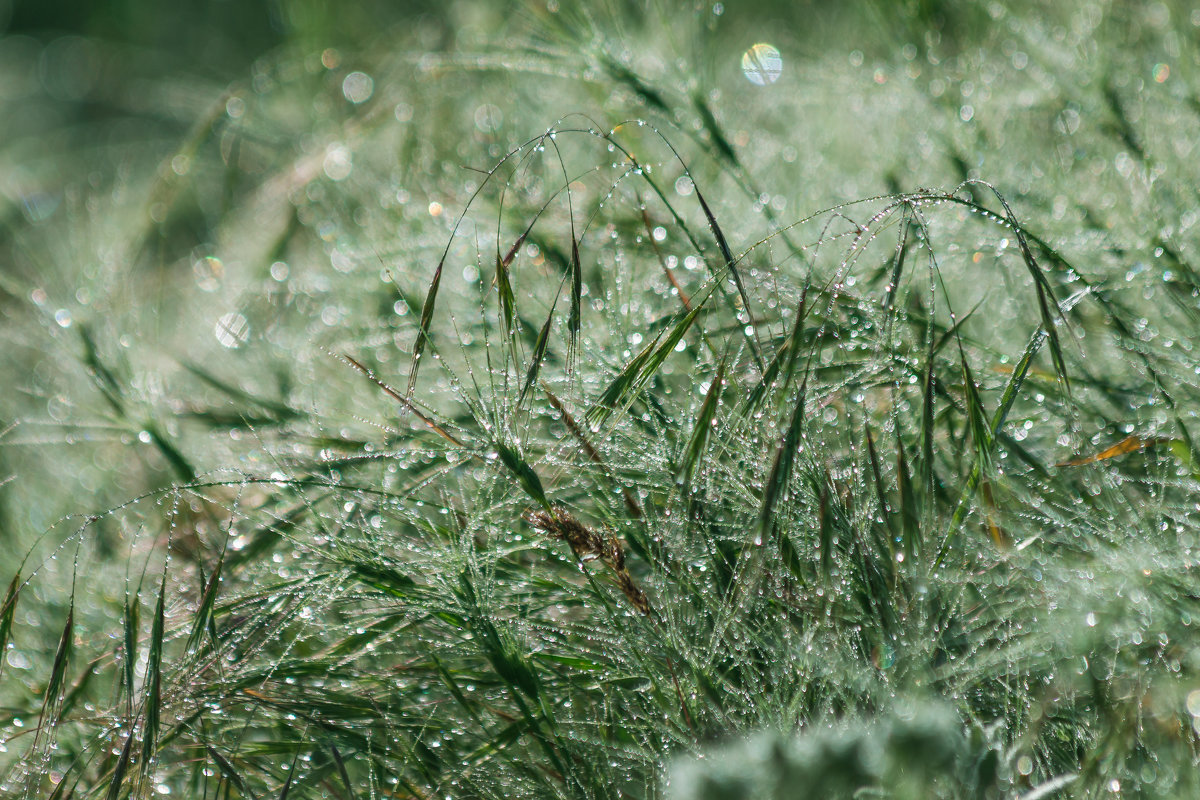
pixel 614 400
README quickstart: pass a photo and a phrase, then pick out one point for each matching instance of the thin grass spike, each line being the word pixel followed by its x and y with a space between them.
pixel 423 328
pixel 731 265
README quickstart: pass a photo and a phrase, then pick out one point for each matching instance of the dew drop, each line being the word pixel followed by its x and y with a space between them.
pixel 762 64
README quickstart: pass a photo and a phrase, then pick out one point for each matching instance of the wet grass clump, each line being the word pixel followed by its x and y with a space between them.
pixel 413 456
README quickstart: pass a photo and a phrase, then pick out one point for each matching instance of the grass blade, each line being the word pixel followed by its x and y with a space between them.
pixel 423 329
pixel 529 481
pixel 119 770
pixel 984 443
pixel 287 785
pixel 276 409
pixel 204 614
pixel 385 579
pixel 781 469
pixel 1130 444
pixel 7 611
pixel 58 670
pixel 640 368
pixel 702 429
pixel 791 558
pixel 539 353
pixel 153 682
pixel 228 771
pixel 175 458
pixel 731 265
pixel 910 515
pixel 881 498
pixel 785 356
pixel 574 320
pixel 825 533
pixel 103 377
pixel 507 301
pixel 928 410
pixel 1009 396
pixel 129 661
pixel 341 769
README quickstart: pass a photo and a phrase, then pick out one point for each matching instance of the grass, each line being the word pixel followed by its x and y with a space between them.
pixel 397 453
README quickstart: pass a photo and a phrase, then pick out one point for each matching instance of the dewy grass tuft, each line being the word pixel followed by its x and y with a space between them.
pixel 565 449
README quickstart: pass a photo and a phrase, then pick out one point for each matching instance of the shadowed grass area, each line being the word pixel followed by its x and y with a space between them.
pixel 436 418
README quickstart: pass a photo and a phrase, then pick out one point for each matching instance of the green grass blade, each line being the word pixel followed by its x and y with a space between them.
pixel 528 480
pixel 928 411
pixel 153 682
pixel 897 273
pixel 575 319
pixel 1047 303
pixel 785 357
pixel 781 469
pixel 264 537
pixel 984 442
pixel 129 660
pixel 341 770
pixel 981 436
pixel 702 429
pixel 719 141
pixel 825 533
pixel 228 771
pixel 104 378
pixel 119 770
pixel 7 611
pixel 384 579
pixel 58 670
pixel 885 508
pixel 204 614
pixel 539 353
pixel 179 463
pixel 1007 398
pixel 423 329
pixel 640 368
pixel 507 301
pixel 791 558
pixel 287 785
pixel 731 265
pixel 278 410
pixel 910 514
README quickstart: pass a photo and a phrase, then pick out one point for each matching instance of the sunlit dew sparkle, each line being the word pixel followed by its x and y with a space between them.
pixel 338 162
pixel 357 87
pixel 762 64
pixel 232 330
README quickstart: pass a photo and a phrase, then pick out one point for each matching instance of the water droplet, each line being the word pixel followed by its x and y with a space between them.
pixel 358 87
pixel 232 330
pixel 1193 702
pixel 762 64
pixel 338 162
pixel 488 118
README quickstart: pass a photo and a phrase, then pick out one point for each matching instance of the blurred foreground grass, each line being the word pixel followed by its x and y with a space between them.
pixel 905 488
